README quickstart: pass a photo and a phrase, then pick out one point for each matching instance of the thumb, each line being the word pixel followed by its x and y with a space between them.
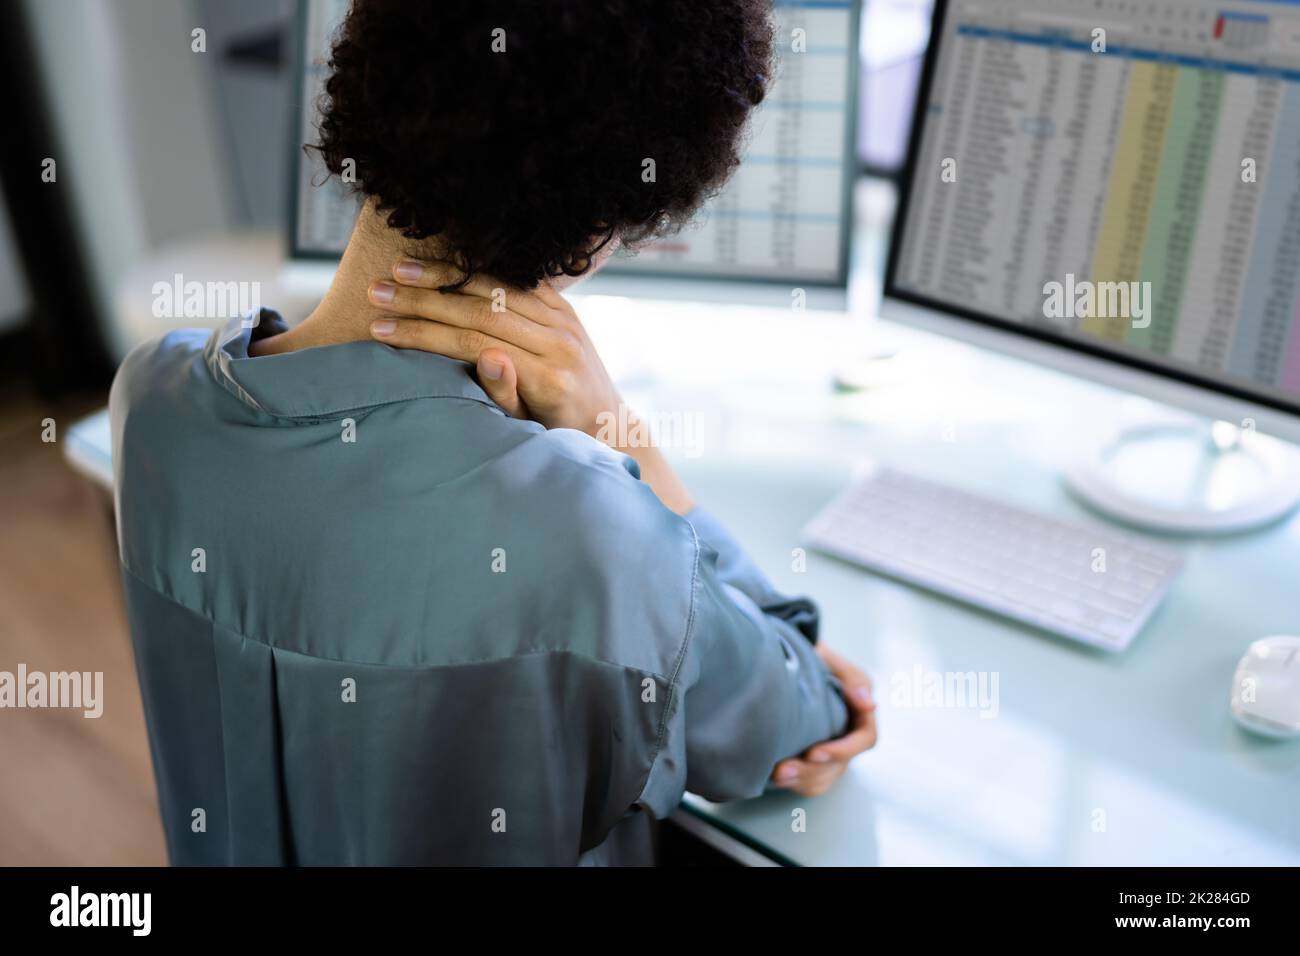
pixel 496 373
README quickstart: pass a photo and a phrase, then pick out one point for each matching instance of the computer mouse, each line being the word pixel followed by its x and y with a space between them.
pixel 1266 687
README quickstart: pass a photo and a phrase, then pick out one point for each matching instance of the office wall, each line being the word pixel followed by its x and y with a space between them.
pixel 132 108
pixel 251 76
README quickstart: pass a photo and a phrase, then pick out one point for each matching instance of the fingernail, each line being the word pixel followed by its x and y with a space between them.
pixel 408 270
pixel 383 326
pixel 490 369
pixel 787 775
pixel 383 291
pixel 820 756
pixel 862 696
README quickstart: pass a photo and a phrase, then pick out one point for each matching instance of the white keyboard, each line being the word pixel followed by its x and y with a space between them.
pixel 1092 584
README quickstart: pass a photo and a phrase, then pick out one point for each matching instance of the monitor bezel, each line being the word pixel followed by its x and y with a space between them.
pixel 1007 335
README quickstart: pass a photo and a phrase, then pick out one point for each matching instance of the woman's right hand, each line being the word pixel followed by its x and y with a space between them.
pixel 532 355
pixel 531 352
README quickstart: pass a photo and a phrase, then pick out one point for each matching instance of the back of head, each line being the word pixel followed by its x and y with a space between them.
pixel 527 135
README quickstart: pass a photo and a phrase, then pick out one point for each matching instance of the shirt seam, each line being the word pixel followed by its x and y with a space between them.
pixel 366 407
pixel 677 666
pixel 411 667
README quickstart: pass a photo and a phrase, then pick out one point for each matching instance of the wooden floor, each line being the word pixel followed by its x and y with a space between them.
pixel 73 791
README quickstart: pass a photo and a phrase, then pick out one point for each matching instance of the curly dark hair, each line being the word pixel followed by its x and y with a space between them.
pixel 526 162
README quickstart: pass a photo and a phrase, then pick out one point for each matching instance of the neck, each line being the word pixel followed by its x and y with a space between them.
pixel 345 312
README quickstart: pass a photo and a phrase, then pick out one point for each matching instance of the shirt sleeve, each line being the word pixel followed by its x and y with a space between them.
pixel 750 691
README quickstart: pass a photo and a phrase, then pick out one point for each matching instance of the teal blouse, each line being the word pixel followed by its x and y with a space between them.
pixel 376 620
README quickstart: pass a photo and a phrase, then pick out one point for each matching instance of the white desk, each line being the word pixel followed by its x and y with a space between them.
pixel 89 448
pixel 1091 759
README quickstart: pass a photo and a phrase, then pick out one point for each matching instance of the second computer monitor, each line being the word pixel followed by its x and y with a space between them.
pixel 784 217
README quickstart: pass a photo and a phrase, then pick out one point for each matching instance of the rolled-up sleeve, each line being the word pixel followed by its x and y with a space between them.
pixel 750 690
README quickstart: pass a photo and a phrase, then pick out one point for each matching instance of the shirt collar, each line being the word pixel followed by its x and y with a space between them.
pixel 322 382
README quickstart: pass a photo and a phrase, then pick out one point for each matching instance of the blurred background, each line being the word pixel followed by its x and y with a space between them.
pixel 132 156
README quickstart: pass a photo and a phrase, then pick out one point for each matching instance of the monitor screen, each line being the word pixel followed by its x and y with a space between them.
pixel 1120 177
pixel 785 216
pixel 323 209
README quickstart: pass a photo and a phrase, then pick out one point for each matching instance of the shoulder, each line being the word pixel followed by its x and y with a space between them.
pixel 178 346
pixel 153 366
pixel 155 393
pixel 600 492
pixel 612 544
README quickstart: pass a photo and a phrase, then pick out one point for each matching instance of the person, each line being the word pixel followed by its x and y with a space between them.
pixel 391 601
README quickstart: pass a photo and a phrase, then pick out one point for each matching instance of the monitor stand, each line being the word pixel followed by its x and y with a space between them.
pixel 1198 477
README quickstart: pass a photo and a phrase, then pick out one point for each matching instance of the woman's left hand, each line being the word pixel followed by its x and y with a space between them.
pixel 811 773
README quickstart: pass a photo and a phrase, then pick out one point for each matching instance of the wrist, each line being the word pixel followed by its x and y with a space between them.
pixel 619 427
pixel 622 430
pixel 659 475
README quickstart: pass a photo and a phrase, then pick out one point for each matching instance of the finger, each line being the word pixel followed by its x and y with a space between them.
pixel 788 772
pixel 853 677
pixel 449 340
pixel 848 673
pixel 796 771
pixel 862 737
pixel 496 373
pixel 465 311
pixel 811 780
pixel 431 273
pixel 859 698
pixel 818 786
pixel 435 274
pixel 542 297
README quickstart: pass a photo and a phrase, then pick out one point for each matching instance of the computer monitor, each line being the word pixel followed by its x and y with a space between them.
pixel 783 221
pixel 1113 187
pixel 322 210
